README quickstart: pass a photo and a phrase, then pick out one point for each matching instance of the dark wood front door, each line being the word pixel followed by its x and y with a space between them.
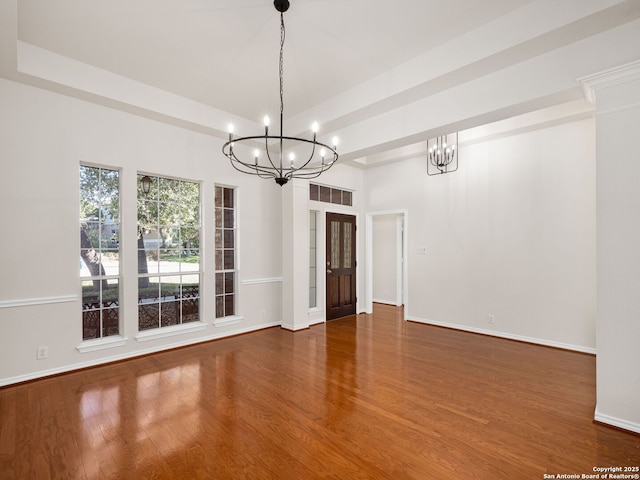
pixel 341 265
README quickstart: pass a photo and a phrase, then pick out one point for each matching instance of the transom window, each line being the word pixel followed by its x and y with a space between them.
pixel 168 253
pixel 320 193
pixel 100 251
pixel 225 251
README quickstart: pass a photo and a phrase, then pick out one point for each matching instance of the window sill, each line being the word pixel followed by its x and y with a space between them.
pixel 171 331
pixel 101 344
pixel 224 321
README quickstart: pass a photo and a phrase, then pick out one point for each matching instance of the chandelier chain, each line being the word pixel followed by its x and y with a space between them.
pixel 281 69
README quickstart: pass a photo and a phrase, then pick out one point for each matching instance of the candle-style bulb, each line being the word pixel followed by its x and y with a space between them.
pixel 314 127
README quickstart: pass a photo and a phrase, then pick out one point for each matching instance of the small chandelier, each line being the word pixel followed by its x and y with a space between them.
pixel 272 164
pixel 442 154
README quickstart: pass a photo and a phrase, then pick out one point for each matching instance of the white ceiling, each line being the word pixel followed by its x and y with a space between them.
pixel 383 75
pixel 225 53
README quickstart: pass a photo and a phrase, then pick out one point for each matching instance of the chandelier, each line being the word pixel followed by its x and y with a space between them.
pixel 442 153
pixel 273 164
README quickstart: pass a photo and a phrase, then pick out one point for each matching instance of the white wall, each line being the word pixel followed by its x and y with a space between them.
pixel 44 137
pixel 511 234
pixel 384 259
pixel 618 209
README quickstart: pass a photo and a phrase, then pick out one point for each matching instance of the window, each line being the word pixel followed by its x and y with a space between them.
pixel 225 251
pixel 313 271
pixel 168 253
pixel 320 193
pixel 99 251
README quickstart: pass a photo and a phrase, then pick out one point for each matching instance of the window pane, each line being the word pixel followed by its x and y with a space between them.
pixel 90 294
pixel 90 324
pixel 169 260
pixel 229 282
pixel 228 305
pixel 219 283
pixel 346 198
pixel 168 189
pixel 219 306
pixel 335 244
pixel 148 261
pixel 312 298
pixel 325 194
pixel 228 198
pixel 169 213
pixel 190 238
pixel 190 260
pixel 110 322
pixel 336 196
pixel 314 192
pixel 229 263
pixel 347 244
pixel 148 316
pixel 229 238
pixel 169 313
pixel 228 218
pixel 312 259
pixel 111 262
pixel 150 291
pixel 111 293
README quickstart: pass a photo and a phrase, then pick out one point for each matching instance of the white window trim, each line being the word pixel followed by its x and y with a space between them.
pixel 102 343
pixel 229 320
pixel 170 331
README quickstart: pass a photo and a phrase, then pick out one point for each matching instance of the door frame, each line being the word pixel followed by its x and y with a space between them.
pixel 401 256
pixel 318 314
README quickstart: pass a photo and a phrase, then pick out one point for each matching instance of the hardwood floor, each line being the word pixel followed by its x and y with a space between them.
pixel 369 396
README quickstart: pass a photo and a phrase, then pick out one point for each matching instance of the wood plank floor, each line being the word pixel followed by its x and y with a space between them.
pixel 369 396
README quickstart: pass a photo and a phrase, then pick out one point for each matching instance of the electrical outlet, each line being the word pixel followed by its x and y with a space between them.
pixel 491 319
pixel 42 353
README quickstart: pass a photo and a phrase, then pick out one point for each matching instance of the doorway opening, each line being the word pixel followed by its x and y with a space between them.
pixel 386 253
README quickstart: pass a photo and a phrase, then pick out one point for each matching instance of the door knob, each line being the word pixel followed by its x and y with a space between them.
pixel 328 271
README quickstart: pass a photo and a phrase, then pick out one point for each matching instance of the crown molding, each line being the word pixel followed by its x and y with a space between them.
pixel 609 78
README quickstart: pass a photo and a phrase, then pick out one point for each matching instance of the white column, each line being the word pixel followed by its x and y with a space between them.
pixel 295 255
pixel 617 96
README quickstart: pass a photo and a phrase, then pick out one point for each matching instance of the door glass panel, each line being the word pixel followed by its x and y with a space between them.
pixel 335 244
pixel 347 245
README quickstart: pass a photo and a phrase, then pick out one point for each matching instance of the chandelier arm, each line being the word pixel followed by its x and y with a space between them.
pixel 266 147
pixel 313 150
pixel 250 168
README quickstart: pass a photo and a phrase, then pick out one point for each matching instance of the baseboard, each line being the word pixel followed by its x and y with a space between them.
pixel 508 336
pixel 294 328
pixel 616 422
pixel 130 355
pixel 385 302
